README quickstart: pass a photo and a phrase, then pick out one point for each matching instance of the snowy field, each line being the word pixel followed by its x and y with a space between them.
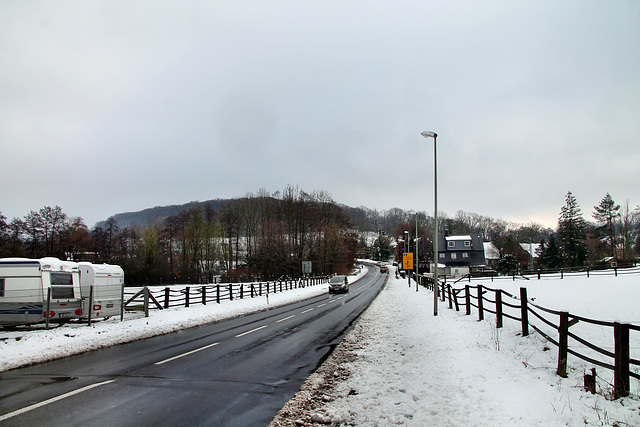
pixel 451 370
pixel 413 368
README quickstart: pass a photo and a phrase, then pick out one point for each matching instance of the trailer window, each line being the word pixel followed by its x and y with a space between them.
pixel 1 286
pixel 61 286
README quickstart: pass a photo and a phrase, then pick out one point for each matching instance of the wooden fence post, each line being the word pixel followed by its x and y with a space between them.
pixel 467 298
pixel 621 371
pixel 218 294
pixel 48 310
pixel 167 297
pixel 480 304
pixel 186 299
pixel 455 300
pixel 563 345
pixel 524 312
pixel 442 288
pixel 204 295
pixel 450 301
pixel 122 302
pixel 499 308
pixel 146 301
pixel 230 292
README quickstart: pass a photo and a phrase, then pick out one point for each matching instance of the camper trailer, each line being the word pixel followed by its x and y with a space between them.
pixel 101 289
pixel 32 291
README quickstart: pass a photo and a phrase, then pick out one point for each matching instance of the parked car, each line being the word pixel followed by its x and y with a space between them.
pixel 338 284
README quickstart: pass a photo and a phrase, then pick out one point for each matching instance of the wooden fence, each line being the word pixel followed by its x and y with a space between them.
pixel 518 308
pixel 160 298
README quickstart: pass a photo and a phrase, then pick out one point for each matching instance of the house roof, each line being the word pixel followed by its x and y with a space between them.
pixel 490 251
pixel 463 237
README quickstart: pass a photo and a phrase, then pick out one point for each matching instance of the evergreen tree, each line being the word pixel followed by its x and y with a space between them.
pixel 571 232
pixel 606 213
pixel 549 253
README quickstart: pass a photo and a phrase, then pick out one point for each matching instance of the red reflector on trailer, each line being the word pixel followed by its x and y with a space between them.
pixel 79 312
pixel 97 307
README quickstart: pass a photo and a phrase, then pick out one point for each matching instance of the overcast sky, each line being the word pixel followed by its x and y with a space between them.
pixel 111 106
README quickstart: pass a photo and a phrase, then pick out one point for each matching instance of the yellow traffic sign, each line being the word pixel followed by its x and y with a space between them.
pixel 407 261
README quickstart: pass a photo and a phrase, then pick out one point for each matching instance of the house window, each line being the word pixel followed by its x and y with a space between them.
pixel 454 255
pixel 441 255
pixel 465 254
pixel 467 243
pixel 451 244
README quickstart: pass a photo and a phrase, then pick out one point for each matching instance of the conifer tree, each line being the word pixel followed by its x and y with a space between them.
pixel 549 253
pixel 606 213
pixel 571 233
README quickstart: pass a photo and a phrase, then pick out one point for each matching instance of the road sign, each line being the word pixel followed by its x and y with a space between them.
pixel 407 261
pixel 306 267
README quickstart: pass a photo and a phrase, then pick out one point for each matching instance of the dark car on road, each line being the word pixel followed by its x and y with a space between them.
pixel 338 284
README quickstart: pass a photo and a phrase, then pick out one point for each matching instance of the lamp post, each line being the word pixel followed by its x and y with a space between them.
pixel 429 134
pixel 416 239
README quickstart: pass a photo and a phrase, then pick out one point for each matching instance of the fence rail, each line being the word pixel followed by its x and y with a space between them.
pixel 150 298
pixel 502 304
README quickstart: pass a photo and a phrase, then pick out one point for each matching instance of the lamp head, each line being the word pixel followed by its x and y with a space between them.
pixel 429 134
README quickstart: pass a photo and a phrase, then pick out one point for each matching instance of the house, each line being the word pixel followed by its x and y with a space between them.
pixel 461 254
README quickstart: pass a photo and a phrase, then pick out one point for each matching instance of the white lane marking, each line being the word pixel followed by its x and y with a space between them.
pixel 286 318
pixel 306 311
pixel 322 305
pixel 186 354
pixel 53 399
pixel 251 331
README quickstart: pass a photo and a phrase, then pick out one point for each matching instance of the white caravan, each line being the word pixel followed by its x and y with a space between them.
pixel 107 281
pixel 32 290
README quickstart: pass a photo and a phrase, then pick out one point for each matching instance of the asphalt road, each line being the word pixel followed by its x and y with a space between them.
pixel 237 372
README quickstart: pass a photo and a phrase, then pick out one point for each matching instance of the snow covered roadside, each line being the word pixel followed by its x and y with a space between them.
pixel 402 365
pixel 21 348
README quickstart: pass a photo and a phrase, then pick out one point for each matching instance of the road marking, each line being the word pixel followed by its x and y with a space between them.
pixel 322 305
pixel 248 332
pixel 186 354
pixel 306 311
pixel 286 318
pixel 53 399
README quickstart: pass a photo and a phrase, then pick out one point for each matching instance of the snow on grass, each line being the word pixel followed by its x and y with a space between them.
pixel 416 369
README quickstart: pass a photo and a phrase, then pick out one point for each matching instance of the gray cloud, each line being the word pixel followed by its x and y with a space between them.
pixel 109 107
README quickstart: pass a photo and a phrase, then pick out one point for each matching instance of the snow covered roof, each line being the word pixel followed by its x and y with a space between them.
pixel 531 248
pixel 490 251
pixel 464 237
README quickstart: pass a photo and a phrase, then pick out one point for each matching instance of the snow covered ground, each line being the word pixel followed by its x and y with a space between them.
pixel 416 369
pixel 413 368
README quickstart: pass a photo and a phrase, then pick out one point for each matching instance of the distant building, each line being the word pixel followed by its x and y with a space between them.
pixel 461 254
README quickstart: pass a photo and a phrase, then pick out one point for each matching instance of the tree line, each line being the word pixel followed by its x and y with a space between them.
pixel 614 234
pixel 257 237
pixel 267 236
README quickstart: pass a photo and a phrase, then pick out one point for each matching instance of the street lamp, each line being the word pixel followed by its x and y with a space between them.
pixel 429 134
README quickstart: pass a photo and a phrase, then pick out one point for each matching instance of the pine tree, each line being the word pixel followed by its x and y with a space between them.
pixel 549 254
pixel 606 213
pixel 571 233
